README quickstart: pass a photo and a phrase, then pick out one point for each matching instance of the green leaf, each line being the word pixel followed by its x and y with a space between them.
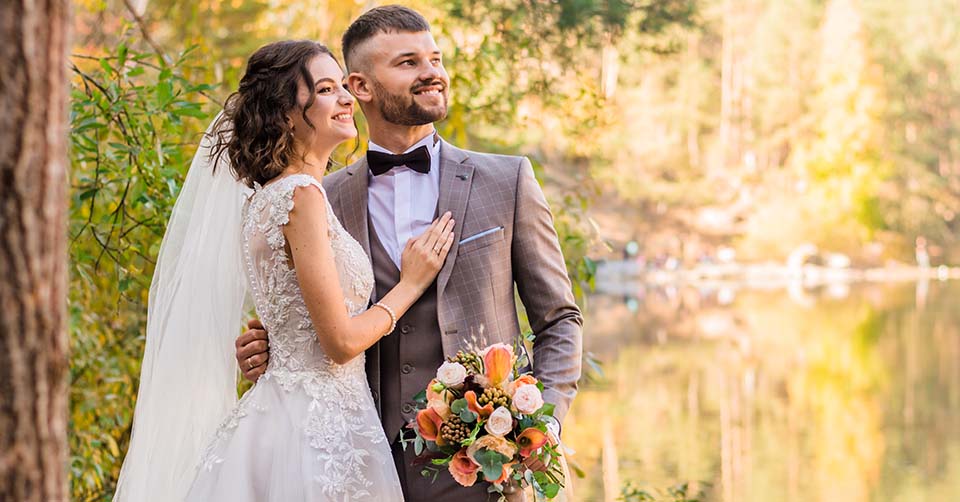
pixel 546 409
pixel 491 462
pixel 541 478
pixel 85 124
pixel 105 65
pixel 192 111
pixel 550 490
pixel 421 397
pixel 121 54
pixel 468 416
pixel 164 92
pixel 459 406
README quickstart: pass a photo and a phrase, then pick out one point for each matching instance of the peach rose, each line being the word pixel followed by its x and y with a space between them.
pixel 520 382
pixel 527 399
pixel 451 374
pixel 500 422
pixel 495 443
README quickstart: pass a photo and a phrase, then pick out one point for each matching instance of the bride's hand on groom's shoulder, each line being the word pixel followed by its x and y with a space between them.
pixel 253 351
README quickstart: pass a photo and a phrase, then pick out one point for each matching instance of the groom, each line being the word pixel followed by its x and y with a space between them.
pixel 504 237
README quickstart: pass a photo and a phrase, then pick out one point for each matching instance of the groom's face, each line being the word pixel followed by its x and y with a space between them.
pixel 407 82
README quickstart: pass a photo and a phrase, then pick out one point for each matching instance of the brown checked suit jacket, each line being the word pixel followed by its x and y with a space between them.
pixel 504 236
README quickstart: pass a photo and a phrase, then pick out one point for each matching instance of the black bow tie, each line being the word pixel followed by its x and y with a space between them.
pixel 417 159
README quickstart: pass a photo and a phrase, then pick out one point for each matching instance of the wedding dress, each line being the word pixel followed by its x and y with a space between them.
pixel 308 430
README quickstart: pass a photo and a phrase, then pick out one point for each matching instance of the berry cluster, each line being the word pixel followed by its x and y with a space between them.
pixel 470 361
pixel 454 430
pixel 494 395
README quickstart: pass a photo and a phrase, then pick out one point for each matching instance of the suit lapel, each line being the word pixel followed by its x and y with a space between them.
pixel 456 178
pixel 353 203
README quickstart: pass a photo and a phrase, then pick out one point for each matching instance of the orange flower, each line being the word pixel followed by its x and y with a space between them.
pixel 523 380
pixel 530 440
pixel 473 406
pixel 463 468
pixel 505 474
pixel 428 423
pixel 498 363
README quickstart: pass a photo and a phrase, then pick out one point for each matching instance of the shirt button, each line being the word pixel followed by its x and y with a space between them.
pixel 406 369
pixel 407 408
pixel 406 328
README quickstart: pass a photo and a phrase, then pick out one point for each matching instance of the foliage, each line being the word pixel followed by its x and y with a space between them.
pixel 782 122
pixel 134 120
pixel 682 492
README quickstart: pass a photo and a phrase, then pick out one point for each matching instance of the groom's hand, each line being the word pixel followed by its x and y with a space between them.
pixel 253 351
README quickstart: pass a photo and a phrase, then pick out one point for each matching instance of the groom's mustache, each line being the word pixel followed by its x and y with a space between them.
pixel 432 83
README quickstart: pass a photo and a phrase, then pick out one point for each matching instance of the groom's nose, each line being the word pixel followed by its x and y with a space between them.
pixel 431 73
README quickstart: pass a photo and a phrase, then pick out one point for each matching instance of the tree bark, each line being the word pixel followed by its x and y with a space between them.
pixel 33 198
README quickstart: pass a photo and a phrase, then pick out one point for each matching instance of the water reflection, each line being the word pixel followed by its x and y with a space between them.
pixel 838 393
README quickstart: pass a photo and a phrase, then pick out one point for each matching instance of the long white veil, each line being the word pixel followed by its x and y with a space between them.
pixel 189 375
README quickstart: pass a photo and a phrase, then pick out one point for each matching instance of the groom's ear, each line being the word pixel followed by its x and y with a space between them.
pixel 360 87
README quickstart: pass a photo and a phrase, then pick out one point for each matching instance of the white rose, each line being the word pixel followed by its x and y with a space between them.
pixel 451 374
pixel 500 422
pixel 528 399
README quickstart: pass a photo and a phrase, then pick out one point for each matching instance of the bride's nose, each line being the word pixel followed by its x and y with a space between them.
pixel 344 97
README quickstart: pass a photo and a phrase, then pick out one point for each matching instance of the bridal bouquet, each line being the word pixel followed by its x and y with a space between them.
pixel 484 420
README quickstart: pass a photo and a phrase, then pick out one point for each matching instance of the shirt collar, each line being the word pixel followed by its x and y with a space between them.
pixel 431 141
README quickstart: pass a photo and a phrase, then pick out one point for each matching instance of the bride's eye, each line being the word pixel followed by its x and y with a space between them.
pixel 324 90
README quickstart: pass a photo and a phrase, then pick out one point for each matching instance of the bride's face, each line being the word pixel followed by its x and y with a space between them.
pixel 331 112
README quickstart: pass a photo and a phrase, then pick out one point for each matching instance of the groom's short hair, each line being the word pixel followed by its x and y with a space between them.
pixel 383 19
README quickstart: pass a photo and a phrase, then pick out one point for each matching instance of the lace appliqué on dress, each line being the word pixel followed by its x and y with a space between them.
pixel 336 425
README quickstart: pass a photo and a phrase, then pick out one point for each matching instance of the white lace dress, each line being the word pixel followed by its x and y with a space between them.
pixel 308 430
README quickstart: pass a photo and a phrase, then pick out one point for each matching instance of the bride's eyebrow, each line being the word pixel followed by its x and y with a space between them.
pixel 325 79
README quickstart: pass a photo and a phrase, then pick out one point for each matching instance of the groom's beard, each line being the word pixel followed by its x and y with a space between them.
pixel 402 109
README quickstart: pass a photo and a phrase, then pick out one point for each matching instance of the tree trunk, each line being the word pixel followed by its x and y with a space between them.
pixel 33 168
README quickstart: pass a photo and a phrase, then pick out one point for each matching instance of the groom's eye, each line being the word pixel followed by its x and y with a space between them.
pixel 409 62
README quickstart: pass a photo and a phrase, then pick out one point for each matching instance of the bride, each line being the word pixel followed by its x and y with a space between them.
pixel 308 430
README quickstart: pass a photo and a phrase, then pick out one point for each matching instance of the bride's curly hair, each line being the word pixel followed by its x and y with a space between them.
pixel 253 130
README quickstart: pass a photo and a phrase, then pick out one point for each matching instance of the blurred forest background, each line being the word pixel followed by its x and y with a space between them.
pixel 685 125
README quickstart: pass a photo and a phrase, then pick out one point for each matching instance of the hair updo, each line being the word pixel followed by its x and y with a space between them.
pixel 254 130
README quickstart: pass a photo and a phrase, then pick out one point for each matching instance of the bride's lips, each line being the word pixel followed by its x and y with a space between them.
pixel 344 116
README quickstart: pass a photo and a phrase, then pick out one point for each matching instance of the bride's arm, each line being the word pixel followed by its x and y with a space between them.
pixel 343 337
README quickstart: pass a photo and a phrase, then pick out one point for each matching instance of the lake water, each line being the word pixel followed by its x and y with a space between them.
pixel 842 393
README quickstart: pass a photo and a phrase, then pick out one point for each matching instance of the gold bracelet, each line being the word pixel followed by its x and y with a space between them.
pixel 393 316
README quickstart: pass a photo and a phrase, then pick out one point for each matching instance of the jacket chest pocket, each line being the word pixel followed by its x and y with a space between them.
pixel 480 240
